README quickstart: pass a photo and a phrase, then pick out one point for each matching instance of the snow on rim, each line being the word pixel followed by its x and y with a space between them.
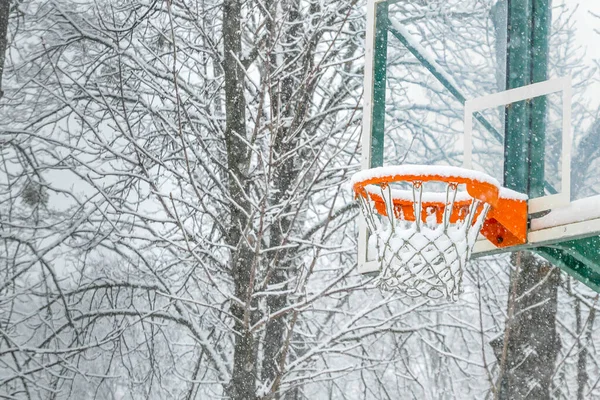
pixel 506 193
pixel 410 169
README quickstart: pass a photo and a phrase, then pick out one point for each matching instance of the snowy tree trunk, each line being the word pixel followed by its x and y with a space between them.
pixel 4 12
pixel 584 329
pixel 279 268
pixel 243 381
pixel 528 351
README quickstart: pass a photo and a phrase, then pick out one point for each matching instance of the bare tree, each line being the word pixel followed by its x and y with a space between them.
pixel 175 221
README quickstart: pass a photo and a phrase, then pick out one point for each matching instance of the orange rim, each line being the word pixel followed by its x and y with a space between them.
pixel 505 225
pixel 484 191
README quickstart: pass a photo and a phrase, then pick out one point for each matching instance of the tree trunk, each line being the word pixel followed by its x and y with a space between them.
pixel 582 343
pixel 243 380
pixel 292 94
pixel 4 12
pixel 528 351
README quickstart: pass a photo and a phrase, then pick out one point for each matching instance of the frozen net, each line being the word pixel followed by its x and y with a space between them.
pixel 423 256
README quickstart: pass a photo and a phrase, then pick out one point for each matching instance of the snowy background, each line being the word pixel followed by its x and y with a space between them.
pixel 176 220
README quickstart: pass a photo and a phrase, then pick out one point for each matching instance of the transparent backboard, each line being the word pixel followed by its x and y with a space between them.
pixel 426 60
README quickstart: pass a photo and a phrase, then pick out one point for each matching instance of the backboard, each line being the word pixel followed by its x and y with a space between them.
pixel 453 83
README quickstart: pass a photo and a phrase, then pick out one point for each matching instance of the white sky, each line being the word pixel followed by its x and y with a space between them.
pixel 588 33
pixel 589 24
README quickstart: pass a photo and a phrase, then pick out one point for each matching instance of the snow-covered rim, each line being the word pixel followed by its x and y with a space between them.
pixel 425 170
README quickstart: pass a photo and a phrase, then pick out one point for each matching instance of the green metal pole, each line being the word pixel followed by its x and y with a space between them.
pixel 541 17
pixel 379 83
pixel 516 138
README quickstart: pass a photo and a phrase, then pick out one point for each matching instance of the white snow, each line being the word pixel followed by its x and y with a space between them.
pixel 410 169
pixel 506 193
pixel 576 211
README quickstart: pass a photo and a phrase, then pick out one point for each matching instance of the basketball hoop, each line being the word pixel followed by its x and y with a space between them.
pixel 423 239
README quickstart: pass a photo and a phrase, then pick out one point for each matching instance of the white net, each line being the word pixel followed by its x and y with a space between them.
pixel 422 258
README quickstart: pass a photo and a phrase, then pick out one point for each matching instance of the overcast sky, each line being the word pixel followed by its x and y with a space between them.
pixel 588 32
pixel 590 26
